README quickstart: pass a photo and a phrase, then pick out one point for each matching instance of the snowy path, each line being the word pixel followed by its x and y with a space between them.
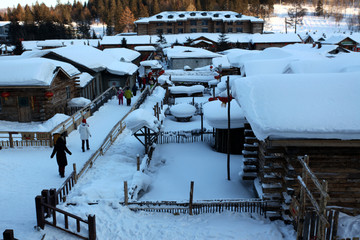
pixel 25 172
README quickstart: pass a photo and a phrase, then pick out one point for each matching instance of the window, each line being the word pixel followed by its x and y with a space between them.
pixel 193 30
pixel 230 29
pixel 23 102
pixel 239 23
pixel 218 30
pixel 239 30
pixel 158 31
pixel 159 24
pixel 193 22
pixel 180 30
pixel 218 23
pixel 68 92
pixel 205 22
pixel 205 30
pixel 230 23
pixel 169 30
pixel 169 24
pixel 180 23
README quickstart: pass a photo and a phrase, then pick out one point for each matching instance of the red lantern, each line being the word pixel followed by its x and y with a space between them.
pixel 224 100
pixel 49 95
pixel 213 99
pixel 211 67
pixel 5 95
pixel 161 72
pixel 217 77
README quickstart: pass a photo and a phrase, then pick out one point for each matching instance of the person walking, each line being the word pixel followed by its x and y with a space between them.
pixel 128 95
pixel 84 135
pixel 134 89
pixel 120 94
pixel 60 150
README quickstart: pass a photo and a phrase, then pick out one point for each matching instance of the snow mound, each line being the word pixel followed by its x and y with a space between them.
pixel 142 118
pixel 79 102
pixel 183 110
pixel 187 90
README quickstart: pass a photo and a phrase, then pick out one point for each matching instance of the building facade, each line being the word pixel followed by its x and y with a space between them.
pixel 199 22
pixel 4 31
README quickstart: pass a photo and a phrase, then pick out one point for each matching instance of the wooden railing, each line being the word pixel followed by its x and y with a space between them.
pixel 199 207
pixel 46 210
pixel 185 137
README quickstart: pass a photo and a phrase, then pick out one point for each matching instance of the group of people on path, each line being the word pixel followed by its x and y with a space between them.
pixel 60 148
pixel 127 94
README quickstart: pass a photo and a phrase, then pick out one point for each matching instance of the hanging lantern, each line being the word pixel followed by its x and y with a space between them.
pixel 224 100
pixel 5 95
pixel 212 99
pixel 49 95
pixel 211 67
pixel 217 77
pixel 161 72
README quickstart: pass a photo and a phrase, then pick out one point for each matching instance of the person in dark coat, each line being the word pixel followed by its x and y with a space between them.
pixel 139 80
pixel 60 149
pixel 134 89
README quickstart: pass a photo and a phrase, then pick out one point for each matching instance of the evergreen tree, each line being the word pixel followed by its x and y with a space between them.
pixel 19 48
pixel 156 7
pixel 319 8
pixel 124 43
pixel 127 20
pixel 161 39
pixel 222 43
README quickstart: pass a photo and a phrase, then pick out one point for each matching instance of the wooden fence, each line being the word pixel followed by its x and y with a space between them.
pixel 186 137
pixel 47 213
pixel 200 207
pixel 34 139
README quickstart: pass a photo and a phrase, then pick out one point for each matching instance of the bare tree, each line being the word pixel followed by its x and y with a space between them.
pixel 296 14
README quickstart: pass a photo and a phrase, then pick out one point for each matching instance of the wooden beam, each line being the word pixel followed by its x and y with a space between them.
pixel 312 143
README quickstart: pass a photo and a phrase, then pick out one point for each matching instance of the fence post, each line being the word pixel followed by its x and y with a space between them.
pixel 53 197
pixel 75 174
pixel 126 196
pixel 39 212
pixel 11 140
pixel 137 162
pixel 46 198
pixel 191 197
pixel 92 227
pixel 8 234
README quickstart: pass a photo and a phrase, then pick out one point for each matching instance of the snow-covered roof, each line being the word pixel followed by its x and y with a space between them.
pixel 335 39
pixel 145 48
pixel 27 72
pixel 79 102
pixel 137 39
pixel 189 90
pixel 322 106
pixel 172 16
pixel 183 110
pixel 119 53
pixel 187 76
pixel 140 118
pixel 216 115
pixel 95 59
pixel 50 43
pixel 188 52
pixel 155 64
pixel 33 45
pixel 3 23
pixel 275 38
pixel 84 78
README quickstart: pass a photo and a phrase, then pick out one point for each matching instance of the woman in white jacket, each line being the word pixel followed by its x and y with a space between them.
pixel 84 134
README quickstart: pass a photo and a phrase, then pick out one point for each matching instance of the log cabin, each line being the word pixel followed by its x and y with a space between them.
pixel 34 89
pixel 292 115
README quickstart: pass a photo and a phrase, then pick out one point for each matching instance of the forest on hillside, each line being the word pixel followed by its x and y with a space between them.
pixel 41 22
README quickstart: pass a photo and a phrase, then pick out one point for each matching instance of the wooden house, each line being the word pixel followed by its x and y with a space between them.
pixel 342 41
pixel 305 119
pixel 37 92
pixel 262 41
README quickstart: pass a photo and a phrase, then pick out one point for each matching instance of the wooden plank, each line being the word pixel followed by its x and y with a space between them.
pixel 312 143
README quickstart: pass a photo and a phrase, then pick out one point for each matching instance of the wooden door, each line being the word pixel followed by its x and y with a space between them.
pixel 24 109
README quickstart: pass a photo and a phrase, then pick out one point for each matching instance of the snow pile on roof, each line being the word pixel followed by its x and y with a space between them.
pixel 187 90
pixel 79 102
pixel 27 72
pixel 154 64
pixel 196 76
pixel 183 110
pixel 50 43
pixel 172 16
pixel 188 52
pixel 216 115
pixel 335 39
pixel 275 38
pixel 119 53
pixel 222 62
pixel 84 78
pixel 95 59
pixel 329 65
pixel 234 54
pixel 140 118
pixel 145 48
pixel 322 106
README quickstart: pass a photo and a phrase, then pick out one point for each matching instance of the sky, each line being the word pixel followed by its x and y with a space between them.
pixel 11 3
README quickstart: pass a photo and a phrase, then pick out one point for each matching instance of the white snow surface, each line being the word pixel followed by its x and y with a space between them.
pixel 301 105
pixel 142 118
pixel 188 52
pixel 189 90
pixel 84 79
pixel 79 102
pixel 119 53
pixel 216 115
pixel 183 110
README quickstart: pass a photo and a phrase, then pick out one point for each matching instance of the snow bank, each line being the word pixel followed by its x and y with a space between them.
pixel 79 102
pixel 301 105
pixel 216 115
pixel 119 53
